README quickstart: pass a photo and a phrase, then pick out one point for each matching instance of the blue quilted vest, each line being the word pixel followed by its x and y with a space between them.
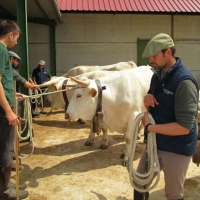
pixel 164 91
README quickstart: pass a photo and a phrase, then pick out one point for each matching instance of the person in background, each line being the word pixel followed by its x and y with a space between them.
pixel 40 75
pixel 9 34
pixel 172 100
pixel 20 81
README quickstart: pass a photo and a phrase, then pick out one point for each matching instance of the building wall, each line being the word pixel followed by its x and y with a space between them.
pixel 39 45
pixel 102 39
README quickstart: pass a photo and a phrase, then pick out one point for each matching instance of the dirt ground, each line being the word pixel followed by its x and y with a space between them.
pixel 63 168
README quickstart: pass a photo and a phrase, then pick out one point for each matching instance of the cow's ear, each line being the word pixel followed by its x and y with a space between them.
pixel 93 92
pixel 57 87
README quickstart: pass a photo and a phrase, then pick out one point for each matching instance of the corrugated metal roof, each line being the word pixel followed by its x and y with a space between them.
pixel 188 6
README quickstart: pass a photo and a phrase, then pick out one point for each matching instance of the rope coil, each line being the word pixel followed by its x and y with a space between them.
pixel 26 118
pixel 144 182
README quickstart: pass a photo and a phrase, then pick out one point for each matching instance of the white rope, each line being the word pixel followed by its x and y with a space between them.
pixel 146 181
pixel 36 98
pixel 26 118
pixel 46 93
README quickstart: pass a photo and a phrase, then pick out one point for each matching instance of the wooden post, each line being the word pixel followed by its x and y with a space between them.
pixel 16 145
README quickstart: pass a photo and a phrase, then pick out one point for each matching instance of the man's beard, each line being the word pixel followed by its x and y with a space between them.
pixel 157 67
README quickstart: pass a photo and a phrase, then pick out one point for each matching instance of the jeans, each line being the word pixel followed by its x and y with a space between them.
pixel 7 136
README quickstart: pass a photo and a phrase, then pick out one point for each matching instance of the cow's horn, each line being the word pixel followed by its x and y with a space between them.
pixel 51 82
pixel 70 85
pixel 84 83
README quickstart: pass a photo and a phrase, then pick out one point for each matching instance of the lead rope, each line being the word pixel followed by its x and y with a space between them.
pixel 26 118
pixel 153 169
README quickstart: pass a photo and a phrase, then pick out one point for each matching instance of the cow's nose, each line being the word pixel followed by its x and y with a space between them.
pixel 66 116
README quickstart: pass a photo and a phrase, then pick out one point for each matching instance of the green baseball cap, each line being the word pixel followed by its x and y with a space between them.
pixel 156 44
pixel 13 54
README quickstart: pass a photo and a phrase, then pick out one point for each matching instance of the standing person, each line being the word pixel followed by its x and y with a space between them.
pixel 20 81
pixel 172 100
pixel 40 75
pixel 9 34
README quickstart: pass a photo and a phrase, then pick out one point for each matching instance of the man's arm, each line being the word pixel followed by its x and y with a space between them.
pixel 10 115
pixel 27 84
pixel 186 101
pixel 34 77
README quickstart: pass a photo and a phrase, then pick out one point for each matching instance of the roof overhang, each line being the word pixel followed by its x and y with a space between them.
pixel 131 6
pixel 38 11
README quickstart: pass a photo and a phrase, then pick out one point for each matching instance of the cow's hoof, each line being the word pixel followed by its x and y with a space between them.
pixel 89 143
pixel 80 121
pixel 124 163
pixel 103 147
pixel 122 156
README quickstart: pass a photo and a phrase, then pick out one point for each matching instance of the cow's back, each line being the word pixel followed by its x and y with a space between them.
pixel 113 67
pixel 124 95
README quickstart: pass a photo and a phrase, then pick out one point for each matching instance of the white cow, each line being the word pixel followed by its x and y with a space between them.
pixel 114 67
pixel 58 101
pixel 55 84
pixel 122 100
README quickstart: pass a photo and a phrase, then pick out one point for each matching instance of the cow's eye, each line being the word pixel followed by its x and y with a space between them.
pixel 78 95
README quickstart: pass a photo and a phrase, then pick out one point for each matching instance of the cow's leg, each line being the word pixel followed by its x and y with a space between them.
pixel 90 140
pixel 104 128
pixel 104 141
pixel 129 131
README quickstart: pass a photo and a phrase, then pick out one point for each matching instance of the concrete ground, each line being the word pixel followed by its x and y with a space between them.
pixel 62 168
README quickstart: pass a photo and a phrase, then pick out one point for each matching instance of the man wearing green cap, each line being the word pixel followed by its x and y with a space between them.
pixel 20 81
pixel 172 100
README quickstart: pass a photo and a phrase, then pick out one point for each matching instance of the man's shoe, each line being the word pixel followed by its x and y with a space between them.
pixel 22 186
pixel 140 196
pixel 43 112
pixel 10 194
pixel 13 167
pixel 34 114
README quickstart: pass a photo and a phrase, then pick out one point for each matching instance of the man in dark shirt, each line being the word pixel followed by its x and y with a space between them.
pixel 20 81
pixel 40 75
pixel 172 101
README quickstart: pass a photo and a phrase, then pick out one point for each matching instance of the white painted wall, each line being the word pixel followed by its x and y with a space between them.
pixel 39 45
pixel 101 39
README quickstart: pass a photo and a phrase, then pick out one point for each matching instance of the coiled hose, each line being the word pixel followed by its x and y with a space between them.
pixel 144 182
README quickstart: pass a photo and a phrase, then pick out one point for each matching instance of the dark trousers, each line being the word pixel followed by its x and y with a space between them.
pixel 7 136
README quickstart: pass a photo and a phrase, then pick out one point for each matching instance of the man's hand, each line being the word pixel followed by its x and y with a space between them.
pixel 20 97
pixel 150 100
pixel 12 118
pixel 145 119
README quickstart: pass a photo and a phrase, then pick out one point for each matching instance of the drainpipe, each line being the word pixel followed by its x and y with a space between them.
pixel 23 47
pixel 23 41
pixel 52 49
pixel 172 26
